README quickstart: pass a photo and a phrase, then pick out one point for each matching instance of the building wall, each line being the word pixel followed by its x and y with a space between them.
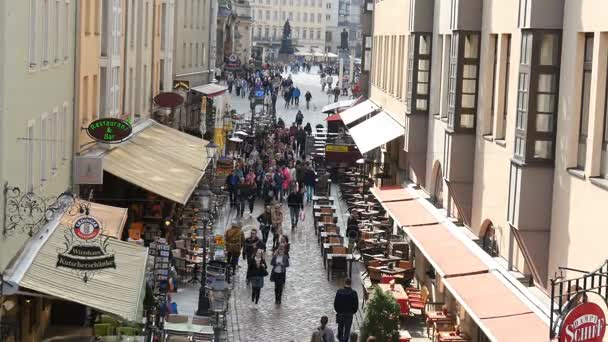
pixel 578 236
pixel 191 53
pixel 36 114
pixel 166 46
pixel 87 68
pixel 270 15
pixel 144 66
pixel 156 56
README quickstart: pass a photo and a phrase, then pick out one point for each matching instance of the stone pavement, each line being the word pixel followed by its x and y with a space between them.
pixel 308 294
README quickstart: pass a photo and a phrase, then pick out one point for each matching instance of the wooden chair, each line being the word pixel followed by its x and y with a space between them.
pixel 201 320
pixel 327 211
pixel 441 327
pixel 173 318
pixel 334 239
pixel 405 264
pixel 337 250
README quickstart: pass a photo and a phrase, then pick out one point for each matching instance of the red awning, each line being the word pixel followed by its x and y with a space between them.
pixel 334 117
pixel 391 193
pixel 447 254
pixel 409 213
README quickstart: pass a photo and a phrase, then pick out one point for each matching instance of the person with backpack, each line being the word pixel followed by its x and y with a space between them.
pixel 308 97
pixel 265 221
pixel 296 96
pixel 295 202
pixel 336 92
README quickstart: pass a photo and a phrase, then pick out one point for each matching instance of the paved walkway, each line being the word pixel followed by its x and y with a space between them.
pixel 308 294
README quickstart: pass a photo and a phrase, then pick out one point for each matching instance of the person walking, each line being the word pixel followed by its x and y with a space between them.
pixel 346 304
pixel 328 81
pixel 295 202
pixel 257 271
pixel 230 82
pixel 238 84
pixel 296 96
pixel 323 81
pixel 265 221
pixel 323 333
pixel 234 244
pixel 250 247
pixel 336 93
pixel 308 97
pixel 279 264
pixel 241 197
pixel 245 86
pixel 277 222
pixel 299 118
pixel 310 178
pixel 273 98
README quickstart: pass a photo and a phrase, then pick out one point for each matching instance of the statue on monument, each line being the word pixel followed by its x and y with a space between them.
pixel 286 44
pixel 344 40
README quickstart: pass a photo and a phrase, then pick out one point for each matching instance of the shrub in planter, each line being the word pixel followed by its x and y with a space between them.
pixel 382 315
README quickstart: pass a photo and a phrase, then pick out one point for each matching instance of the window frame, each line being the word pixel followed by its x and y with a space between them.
pixel 583 128
pixel 489 131
pixel 415 56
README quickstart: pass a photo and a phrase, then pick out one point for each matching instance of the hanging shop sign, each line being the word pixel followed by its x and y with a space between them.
pixel 109 130
pixel 232 62
pixel 585 323
pixel 181 85
pixel 86 250
pixel 168 100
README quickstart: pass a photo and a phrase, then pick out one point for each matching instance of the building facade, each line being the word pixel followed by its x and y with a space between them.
pixel 111 58
pixel 503 104
pixel 166 44
pixel 36 120
pixel 192 37
pixel 306 17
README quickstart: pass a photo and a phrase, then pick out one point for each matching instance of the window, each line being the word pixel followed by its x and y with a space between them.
pixel 29 156
pixel 260 14
pixel 306 3
pixel 583 129
pixel 64 131
pixel 87 17
pixel 274 33
pixel 445 73
pixel 283 15
pixel 298 16
pixel 190 55
pixel 45 31
pixel 67 19
pixel 328 17
pixel 604 157
pixel 202 53
pixel 57 32
pixel 305 17
pixel 196 59
pixel 490 118
pixel 43 148
pixel 198 12
pixel 537 91
pixel 94 99
pixel 192 15
pixel 502 125
pixel 275 15
pixel 267 15
pixel 53 138
pixel 419 68
pixel 318 17
pixel 146 21
pixel 266 32
pixel 146 87
pixel 318 34
pixel 320 3
pixel 132 29
pixel 184 54
pixel 290 15
pixel 33 33
pixel 464 63
pixel 304 34
pixel 85 100
pixel 97 15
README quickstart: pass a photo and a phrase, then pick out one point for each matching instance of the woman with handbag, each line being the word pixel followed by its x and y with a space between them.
pixel 279 263
pixel 257 271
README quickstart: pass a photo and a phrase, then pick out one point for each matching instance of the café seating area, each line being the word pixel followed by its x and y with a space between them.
pixel 383 254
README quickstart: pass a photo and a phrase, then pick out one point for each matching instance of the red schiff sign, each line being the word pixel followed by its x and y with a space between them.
pixel 585 323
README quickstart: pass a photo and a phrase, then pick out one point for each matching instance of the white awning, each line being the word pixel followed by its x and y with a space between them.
pixel 332 55
pixel 117 290
pixel 211 89
pixel 355 113
pixel 336 105
pixel 376 131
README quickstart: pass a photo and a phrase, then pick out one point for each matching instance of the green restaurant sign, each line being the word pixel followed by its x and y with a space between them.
pixel 109 130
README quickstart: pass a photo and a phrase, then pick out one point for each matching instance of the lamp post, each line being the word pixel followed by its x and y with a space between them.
pixel 203 300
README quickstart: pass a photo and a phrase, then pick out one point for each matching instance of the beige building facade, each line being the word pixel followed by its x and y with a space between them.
pixel 306 17
pixel 503 104
pixel 36 117
pixel 193 59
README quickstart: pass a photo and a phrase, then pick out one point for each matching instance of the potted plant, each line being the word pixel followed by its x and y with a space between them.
pixel 382 315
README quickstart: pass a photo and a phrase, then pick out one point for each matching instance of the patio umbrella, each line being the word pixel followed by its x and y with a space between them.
pixel 241 133
pixel 235 139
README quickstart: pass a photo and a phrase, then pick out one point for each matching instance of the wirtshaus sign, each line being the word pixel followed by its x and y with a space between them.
pixel 109 130
pixel 86 251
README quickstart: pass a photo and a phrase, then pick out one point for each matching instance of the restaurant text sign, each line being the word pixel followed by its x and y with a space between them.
pixel 109 130
pixel 585 323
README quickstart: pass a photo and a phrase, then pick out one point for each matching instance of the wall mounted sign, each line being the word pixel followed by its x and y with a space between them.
pixel 232 62
pixel 109 130
pixel 88 169
pixel 168 99
pixel 86 250
pixel 181 85
pixel 585 323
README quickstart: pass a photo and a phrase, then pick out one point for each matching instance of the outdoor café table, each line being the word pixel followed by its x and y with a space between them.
pixel 329 199
pixel 451 336
pixel 398 292
pixel 320 227
pixel 197 261
pixel 349 259
pixel 325 235
pixel 318 207
pixel 188 329
pixel 326 246
pixel 386 259
pixel 389 271
pixel 436 317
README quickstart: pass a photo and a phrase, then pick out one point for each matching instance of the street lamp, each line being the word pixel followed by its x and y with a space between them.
pixel 203 300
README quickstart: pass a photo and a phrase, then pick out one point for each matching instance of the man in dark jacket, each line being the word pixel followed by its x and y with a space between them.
pixel 346 305
pixel 295 202
pixel 251 245
pixel 310 178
